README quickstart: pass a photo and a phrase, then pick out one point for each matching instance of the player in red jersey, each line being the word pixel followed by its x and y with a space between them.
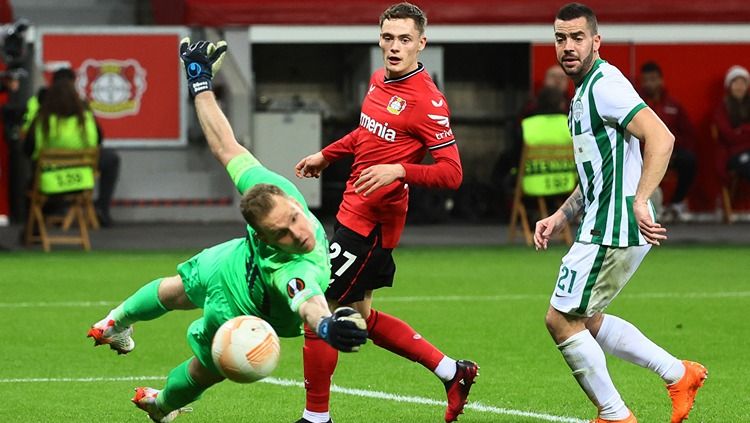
pixel 403 117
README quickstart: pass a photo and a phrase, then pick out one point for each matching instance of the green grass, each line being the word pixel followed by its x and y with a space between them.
pixel 486 304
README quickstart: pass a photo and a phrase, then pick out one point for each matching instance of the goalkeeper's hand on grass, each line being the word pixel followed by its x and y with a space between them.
pixel 202 60
pixel 344 330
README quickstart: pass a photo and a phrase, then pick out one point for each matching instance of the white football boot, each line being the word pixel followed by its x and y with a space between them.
pixel 119 339
pixel 145 399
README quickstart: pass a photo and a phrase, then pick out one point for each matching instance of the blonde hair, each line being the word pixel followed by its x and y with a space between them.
pixel 258 201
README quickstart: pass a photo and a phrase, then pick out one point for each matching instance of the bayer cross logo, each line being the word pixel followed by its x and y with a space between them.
pixel 577 110
pixel 194 70
pixel 114 88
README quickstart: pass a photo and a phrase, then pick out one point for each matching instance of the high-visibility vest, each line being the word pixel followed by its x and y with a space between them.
pixel 551 171
pixel 66 132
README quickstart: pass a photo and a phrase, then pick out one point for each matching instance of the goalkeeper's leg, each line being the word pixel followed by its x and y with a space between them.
pixel 150 302
pixel 185 384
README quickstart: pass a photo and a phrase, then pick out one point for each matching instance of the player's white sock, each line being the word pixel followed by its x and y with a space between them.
pixel 316 417
pixel 586 358
pixel 446 369
pixel 621 339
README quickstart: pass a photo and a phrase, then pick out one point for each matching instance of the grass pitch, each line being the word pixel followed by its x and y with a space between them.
pixel 484 304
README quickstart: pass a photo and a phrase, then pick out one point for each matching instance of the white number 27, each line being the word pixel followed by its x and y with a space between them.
pixel 335 251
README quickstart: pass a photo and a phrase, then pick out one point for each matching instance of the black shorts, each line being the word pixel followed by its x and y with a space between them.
pixel 358 264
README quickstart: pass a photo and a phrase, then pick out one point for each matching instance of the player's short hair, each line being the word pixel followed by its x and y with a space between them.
pixel 405 10
pixel 651 67
pixel 577 10
pixel 258 201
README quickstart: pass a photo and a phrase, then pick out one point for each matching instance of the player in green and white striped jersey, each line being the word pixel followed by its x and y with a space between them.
pixel 607 119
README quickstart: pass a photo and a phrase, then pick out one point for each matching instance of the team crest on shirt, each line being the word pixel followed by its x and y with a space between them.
pixel 577 110
pixel 294 287
pixel 396 105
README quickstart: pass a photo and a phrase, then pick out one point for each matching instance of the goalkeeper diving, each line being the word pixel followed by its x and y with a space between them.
pixel 278 271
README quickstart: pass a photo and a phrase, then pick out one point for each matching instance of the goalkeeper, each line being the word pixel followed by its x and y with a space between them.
pixel 277 272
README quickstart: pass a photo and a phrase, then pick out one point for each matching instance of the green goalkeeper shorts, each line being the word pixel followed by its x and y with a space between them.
pixel 204 277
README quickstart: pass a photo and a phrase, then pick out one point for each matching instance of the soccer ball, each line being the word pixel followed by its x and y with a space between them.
pixel 245 349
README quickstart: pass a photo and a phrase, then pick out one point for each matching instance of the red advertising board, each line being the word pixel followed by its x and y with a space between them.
pixel 132 81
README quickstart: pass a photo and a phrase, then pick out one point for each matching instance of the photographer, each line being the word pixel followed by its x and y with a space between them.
pixel 11 72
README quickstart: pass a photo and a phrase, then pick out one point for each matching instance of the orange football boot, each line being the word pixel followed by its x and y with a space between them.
pixel 630 419
pixel 683 391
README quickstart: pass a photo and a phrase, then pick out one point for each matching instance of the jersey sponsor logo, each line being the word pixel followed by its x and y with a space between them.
pixel 380 129
pixel 438 103
pixel 444 134
pixel 113 87
pixel 440 120
pixel 294 287
pixel 396 105
pixel 577 110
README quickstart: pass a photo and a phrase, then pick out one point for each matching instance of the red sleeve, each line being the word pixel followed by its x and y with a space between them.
pixel 341 148
pixel 446 172
pixel 431 122
pixel 432 126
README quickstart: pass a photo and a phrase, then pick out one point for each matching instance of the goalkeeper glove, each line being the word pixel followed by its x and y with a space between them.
pixel 202 61
pixel 344 330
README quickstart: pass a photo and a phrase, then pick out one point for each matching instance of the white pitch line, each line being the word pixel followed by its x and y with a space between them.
pixel 441 298
pixel 48 304
pixel 334 388
pixel 641 296
pixel 81 379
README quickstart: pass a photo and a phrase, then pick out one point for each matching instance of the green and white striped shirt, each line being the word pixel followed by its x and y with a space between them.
pixel 608 158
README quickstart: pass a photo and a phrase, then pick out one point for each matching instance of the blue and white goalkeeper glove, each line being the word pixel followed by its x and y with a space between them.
pixel 344 330
pixel 202 61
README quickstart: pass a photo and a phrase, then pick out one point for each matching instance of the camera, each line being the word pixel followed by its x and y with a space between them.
pixel 14 43
pixel 14 50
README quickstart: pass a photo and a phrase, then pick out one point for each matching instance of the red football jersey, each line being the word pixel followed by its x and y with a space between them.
pixel 401 120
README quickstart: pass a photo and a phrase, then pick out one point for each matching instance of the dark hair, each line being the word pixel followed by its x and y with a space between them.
pixel 577 10
pixel 258 201
pixel 738 110
pixel 651 67
pixel 63 74
pixel 406 11
pixel 550 101
pixel 63 101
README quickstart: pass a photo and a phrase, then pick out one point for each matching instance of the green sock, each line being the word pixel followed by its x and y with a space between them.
pixel 180 390
pixel 143 305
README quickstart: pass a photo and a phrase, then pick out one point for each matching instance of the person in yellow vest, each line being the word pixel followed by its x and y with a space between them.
pixel 63 122
pixel 550 99
pixel 58 118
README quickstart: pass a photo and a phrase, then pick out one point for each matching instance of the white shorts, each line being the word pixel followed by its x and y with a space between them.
pixel 591 275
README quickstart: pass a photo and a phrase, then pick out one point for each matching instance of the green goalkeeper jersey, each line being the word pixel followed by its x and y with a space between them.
pixel 276 282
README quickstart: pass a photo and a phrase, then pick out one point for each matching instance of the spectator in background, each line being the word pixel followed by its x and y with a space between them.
pixel 555 80
pixel 553 97
pixel 732 120
pixel 673 115
pixel 62 100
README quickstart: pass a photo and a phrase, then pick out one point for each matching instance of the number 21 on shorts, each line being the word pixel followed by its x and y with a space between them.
pixel 566 281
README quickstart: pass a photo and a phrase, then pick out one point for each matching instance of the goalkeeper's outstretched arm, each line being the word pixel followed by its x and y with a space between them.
pixel 216 128
pixel 202 60
pixel 344 330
